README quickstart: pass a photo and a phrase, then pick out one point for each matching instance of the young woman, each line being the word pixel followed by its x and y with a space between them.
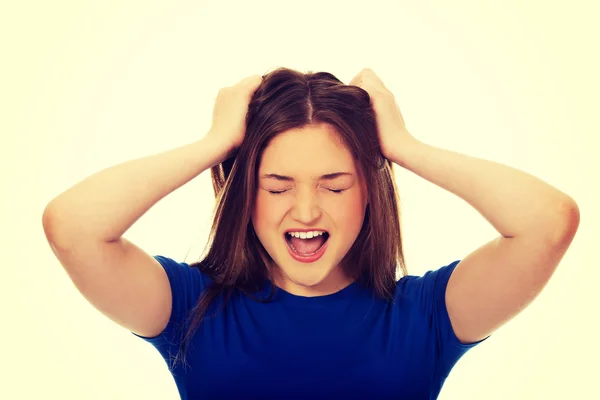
pixel 298 295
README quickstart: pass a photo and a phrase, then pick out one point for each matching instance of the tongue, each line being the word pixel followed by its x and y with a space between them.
pixel 307 246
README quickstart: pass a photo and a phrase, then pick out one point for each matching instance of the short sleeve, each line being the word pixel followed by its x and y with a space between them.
pixel 187 284
pixel 433 286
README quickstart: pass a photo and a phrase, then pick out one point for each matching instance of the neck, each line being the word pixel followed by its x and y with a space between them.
pixel 332 283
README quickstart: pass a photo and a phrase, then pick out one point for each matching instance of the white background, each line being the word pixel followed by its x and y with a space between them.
pixel 86 85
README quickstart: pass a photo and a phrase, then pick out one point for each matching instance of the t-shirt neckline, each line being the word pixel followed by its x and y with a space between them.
pixel 287 297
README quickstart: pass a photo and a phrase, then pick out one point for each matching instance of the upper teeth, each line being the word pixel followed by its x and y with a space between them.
pixel 306 235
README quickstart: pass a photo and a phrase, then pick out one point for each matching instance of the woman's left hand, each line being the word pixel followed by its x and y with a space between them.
pixel 394 138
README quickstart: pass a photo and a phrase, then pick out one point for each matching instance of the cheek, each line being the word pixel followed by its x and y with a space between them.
pixel 266 210
pixel 266 216
pixel 349 216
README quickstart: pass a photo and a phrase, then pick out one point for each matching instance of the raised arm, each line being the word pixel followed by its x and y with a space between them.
pixel 84 226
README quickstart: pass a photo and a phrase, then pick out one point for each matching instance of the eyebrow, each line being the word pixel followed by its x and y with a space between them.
pixel 321 178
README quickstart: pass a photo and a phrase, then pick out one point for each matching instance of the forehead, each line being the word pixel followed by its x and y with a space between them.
pixel 316 149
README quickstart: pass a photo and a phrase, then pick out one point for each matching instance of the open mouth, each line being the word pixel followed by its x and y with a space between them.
pixel 306 247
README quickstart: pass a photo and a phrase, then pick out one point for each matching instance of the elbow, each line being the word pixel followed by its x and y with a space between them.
pixel 567 222
pixel 54 228
pixel 572 217
pixel 49 223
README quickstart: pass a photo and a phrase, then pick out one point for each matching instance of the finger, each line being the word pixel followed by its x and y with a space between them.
pixel 372 80
pixel 254 82
pixel 254 79
pixel 356 81
pixel 249 80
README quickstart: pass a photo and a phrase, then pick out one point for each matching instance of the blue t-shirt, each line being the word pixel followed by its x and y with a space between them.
pixel 346 345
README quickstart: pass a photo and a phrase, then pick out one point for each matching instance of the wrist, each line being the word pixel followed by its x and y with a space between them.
pixel 215 141
pixel 404 149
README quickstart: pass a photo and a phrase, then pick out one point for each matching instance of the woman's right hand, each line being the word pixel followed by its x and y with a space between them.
pixel 229 114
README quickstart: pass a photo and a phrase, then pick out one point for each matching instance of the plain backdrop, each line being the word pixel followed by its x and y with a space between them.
pixel 86 85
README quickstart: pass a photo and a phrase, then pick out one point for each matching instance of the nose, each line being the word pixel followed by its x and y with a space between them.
pixel 306 208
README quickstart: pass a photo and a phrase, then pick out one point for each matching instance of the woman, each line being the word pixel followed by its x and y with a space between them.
pixel 298 296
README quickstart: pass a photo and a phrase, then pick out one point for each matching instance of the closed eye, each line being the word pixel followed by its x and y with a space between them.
pixel 338 191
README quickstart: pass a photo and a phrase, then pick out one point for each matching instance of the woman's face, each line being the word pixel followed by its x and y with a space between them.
pixel 307 202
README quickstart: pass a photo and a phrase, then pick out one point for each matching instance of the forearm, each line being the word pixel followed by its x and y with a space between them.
pixel 106 204
pixel 514 202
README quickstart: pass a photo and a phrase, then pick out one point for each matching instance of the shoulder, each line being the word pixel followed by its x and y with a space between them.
pixel 183 276
pixel 432 283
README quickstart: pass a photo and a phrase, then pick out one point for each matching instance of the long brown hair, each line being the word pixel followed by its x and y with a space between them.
pixel 288 99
